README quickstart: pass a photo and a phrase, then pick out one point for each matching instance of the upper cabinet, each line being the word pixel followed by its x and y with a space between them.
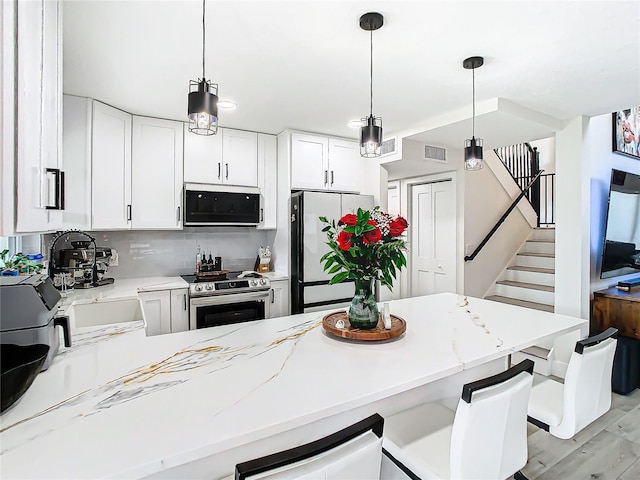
pixel 230 158
pixel 111 168
pixel 321 163
pixel 156 174
pixel 38 98
pixel 267 180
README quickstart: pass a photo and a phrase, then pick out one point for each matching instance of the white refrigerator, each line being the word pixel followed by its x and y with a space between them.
pixel 310 289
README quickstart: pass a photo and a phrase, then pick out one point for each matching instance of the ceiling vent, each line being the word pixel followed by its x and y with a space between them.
pixel 437 154
pixel 388 147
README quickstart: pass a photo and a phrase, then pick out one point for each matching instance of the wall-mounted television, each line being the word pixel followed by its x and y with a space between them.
pixel 621 250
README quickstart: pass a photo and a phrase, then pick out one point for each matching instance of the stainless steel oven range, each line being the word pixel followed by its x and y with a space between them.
pixel 241 297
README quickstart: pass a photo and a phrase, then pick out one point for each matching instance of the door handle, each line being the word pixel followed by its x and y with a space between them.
pixel 226 169
pixel 56 201
pixel 184 302
pixel 128 213
pixel 262 214
pixel 332 177
pixel 178 215
pixel 219 170
pixel 62 194
pixel 273 296
pixel 326 179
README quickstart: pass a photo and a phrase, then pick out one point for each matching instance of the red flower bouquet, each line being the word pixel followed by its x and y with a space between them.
pixel 365 246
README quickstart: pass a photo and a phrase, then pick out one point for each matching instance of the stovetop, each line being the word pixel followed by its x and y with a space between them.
pixel 234 282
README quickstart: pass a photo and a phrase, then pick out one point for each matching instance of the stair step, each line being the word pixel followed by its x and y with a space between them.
pixel 534 254
pixel 538 352
pixel 531 286
pixel 540 240
pixel 523 268
pixel 521 303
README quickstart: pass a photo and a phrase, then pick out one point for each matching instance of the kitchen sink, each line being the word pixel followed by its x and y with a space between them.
pixel 104 313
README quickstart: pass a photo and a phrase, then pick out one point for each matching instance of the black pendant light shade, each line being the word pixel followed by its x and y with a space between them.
pixel 203 107
pixel 371 136
pixel 371 130
pixel 203 98
pixel 473 147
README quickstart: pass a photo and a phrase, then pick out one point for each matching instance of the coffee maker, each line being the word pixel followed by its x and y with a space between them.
pixel 83 264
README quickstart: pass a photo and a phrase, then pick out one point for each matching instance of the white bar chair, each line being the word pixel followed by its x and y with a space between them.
pixel 485 438
pixel 565 409
pixel 353 453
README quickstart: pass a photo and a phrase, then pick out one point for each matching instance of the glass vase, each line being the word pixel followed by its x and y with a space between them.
pixel 363 312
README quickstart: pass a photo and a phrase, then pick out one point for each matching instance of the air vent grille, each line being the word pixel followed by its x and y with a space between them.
pixel 388 147
pixel 438 154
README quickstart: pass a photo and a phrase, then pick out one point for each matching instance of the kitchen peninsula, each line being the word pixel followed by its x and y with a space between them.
pixel 119 404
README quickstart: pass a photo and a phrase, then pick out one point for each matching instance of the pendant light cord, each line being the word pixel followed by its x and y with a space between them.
pixel 203 37
pixel 473 118
pixel 371 74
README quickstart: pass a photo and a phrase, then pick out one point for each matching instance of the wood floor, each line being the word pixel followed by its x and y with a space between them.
pixel 607 449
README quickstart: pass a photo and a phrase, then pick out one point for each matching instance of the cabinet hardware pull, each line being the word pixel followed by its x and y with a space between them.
pixel 262 214
pixel 56 202
pixel 184 301
pixel 219 170
pixel 226 167
pixel 178 215
pixel 331 177
pixel 62 190
pixel 326 180
pixel 273 296
pixel 128 213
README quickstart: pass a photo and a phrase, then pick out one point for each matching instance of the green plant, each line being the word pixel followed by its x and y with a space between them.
pixel 366 245
pixel 19 262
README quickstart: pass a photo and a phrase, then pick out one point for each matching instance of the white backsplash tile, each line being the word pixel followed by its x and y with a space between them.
pixel 149 253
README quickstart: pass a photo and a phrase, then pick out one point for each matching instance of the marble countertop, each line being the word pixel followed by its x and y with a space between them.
pixel 122 405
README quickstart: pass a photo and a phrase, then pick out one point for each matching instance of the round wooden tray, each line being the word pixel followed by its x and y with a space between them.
pixel 398 327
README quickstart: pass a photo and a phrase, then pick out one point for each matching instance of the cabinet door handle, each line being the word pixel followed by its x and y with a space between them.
pixel 219 170
pixel 332 177
pixel 128 213
pixel 226 169
pixel 62 199
pixel 56 201
pixel 178 215
pixel 262 214
pixel 184 301
pixel 326 180
pixel 273 296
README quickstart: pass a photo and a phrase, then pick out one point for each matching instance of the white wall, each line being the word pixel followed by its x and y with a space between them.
pixel 603 159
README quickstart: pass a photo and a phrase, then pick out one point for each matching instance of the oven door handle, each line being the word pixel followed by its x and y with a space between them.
pixel 230 298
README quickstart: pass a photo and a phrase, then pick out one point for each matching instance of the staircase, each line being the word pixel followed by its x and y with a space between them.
pixel 529 282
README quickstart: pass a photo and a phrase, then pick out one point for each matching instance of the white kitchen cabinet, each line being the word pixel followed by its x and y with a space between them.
pixel 309 162
pixel 165 311
pixel 111 168
pixel 156 174
pixel 76 154
pixel 321 163
pixel 345 168
pixel 202 157
pixel 179 310
pixel 267 180
pixel 279 298
pixel 38 98
pixel 240 157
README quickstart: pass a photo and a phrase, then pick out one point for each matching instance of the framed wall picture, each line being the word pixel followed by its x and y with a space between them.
pixel 626 132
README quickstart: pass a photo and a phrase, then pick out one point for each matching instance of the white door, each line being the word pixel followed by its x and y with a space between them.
pixel 156 310
pixel 110 168
pixel 202 157
pixel 267 180
pixel 179 310
pixel 344 165
pixel 433 238
pixel 156 173
pixel 240 157
pixel 309 162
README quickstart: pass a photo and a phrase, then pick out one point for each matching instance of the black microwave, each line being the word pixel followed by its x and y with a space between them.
pixel 207 205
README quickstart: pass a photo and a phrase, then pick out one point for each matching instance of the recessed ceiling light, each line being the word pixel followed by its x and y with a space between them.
pixel 355 123
pixel 226 104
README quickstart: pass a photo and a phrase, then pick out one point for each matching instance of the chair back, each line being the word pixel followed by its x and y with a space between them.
pixel 587 384
pixel 489 436
pixel 354 452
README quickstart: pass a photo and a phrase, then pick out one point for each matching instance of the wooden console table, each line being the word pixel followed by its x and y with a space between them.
pixel 616 308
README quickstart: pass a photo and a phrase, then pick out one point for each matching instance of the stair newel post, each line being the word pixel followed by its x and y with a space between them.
pixel 535 189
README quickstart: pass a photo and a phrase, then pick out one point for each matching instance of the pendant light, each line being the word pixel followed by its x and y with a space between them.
pixel 203 99
pixel 371 130
pixel 473 147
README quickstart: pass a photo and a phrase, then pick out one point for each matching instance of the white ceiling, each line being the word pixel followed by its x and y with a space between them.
pixel 305 64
